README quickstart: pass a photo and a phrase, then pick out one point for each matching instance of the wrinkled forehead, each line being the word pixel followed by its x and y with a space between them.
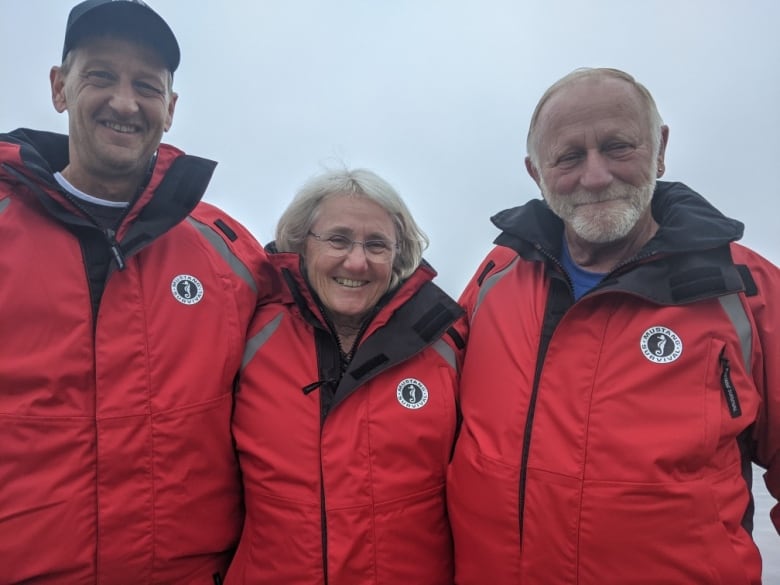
pixel 595 92
pixel 353 213
pixel 592 103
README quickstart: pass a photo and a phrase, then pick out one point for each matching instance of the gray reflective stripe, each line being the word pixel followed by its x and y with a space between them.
pixel 4 203
pixel 221 247
pixel 446 352
pixel 254 344
pixel 490 283
pixel 736 312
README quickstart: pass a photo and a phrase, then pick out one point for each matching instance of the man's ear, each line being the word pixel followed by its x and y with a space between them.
pixel 662 151
pixel 171 108
pixel 533 171
pixel 57 80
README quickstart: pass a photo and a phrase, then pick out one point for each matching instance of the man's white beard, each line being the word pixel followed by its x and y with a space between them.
pixel 603 223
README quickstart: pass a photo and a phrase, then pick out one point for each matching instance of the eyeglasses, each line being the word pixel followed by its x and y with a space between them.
pixel 338 246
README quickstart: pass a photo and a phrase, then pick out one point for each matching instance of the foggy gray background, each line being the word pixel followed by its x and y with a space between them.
pixel 436 96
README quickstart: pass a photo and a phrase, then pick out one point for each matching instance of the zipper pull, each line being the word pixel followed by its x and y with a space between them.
pixel 730 393
pixel 309 388
pixel 116 250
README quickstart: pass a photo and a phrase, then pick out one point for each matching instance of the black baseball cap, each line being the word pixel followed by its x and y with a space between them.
pixel 132 18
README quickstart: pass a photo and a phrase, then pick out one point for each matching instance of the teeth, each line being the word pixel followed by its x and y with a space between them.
pixel 350 283
pixel 119 127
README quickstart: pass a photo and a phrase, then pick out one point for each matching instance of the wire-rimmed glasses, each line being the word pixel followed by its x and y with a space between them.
pixel 339 245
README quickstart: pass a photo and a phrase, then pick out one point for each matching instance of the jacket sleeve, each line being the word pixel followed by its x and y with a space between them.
pixel 495 263
pixel 765 307
pixel 246 249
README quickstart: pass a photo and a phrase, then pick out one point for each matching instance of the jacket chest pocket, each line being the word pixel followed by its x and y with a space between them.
pixel 732 402
pixel 661 419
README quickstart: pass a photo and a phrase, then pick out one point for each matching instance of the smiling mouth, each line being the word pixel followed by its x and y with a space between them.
pixel 122 128
pixel 349 283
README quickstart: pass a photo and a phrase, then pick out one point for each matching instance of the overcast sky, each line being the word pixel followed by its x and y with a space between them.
pixel 436 97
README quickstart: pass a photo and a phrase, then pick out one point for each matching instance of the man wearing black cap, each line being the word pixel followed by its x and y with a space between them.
pixel 123 309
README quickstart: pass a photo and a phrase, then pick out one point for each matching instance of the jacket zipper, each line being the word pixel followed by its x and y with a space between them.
pixel 116 251
pixel 729 391
pixel 532 405
pixel 327 394
pixel 528 427
pixel 551 320
pixel 328 387
pixel 109 233
pixel 323 520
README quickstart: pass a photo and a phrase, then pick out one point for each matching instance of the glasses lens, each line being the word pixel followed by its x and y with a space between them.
pixel 378 250
pixel 337 242
pixel 338 246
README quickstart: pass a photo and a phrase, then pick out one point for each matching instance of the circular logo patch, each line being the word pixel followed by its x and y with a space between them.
pixel 661 345
pixel 187 289
pixel 412 393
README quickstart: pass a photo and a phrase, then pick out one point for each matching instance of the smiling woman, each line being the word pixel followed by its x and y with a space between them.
pixel 345 415
pixel 321 224
pixel 350 279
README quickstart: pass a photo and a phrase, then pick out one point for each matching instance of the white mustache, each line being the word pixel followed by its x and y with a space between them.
pixel 588 197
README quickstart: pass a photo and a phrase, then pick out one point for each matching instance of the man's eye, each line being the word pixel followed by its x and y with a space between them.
pixel 569 159
pixel 339 242
pixel 619 148
pixel 99 76
pixel 148 89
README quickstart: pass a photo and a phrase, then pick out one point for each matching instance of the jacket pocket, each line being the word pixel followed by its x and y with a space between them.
pixel 662 533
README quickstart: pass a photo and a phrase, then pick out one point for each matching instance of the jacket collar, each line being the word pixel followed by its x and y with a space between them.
pixel 176 184
pixel 687 222
pixel 407 319
pixel 299 293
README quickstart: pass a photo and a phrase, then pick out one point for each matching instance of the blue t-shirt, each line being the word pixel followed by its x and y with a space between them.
pixel 582 280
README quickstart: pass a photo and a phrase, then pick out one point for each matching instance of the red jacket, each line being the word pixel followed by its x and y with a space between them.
pixel 609 440
pixel 116 460
pixel 344 472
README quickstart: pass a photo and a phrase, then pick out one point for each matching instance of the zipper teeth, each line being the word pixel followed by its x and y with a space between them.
pixel 323 515
pixel 108 231
pixel 323 415
pixel 551 257
pixel 363 328
pixel 366 322
pixel 528 427
pixel 115 250
pixel 369 318
pixel 632 260
pixel 85 212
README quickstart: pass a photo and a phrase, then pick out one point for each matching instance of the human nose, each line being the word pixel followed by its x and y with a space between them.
pixel 356 257
pixel 596 174
pixel 123 100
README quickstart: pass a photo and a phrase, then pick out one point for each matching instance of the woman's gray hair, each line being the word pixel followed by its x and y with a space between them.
pixel 296 221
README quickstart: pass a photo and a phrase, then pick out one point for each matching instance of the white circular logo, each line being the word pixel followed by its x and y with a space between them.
pixel 187 289
pixel 661 345
pixel 412 393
